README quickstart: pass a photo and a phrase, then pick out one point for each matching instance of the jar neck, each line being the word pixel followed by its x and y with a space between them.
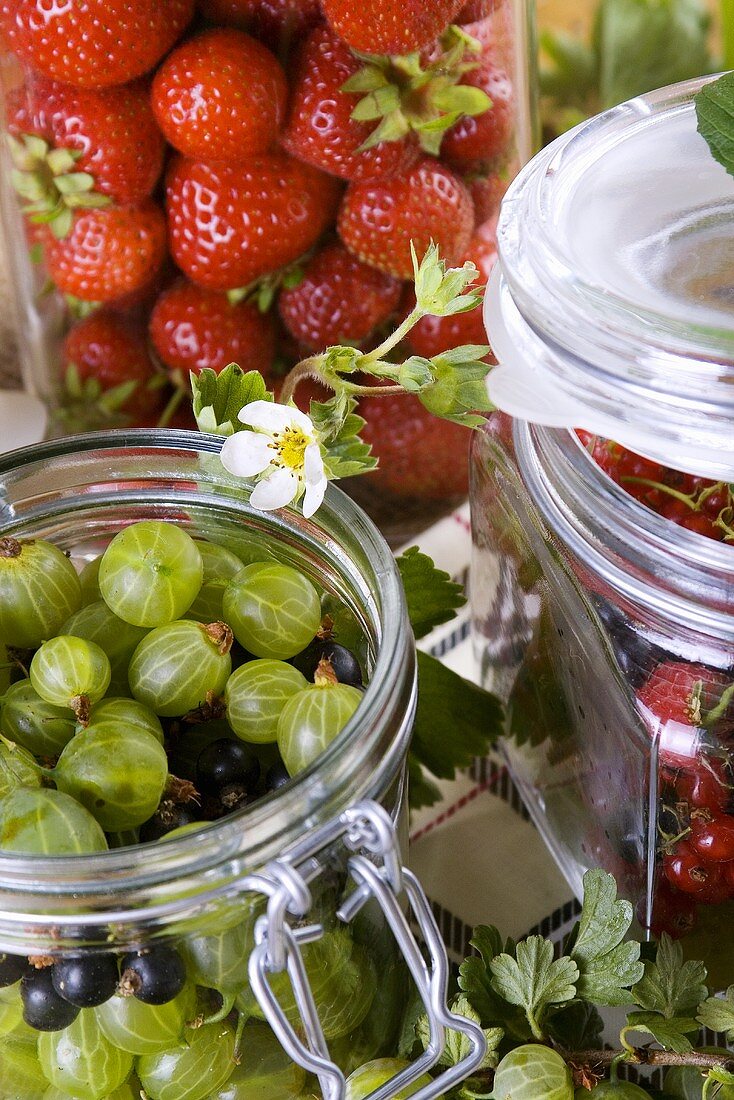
pixel 96 484
pixel 674 577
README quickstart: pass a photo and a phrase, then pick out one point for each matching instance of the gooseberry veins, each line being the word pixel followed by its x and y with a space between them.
pixel 176 666
pixel 39 590
pixel 150 573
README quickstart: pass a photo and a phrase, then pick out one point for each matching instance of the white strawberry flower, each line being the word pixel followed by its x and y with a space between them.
pixel 282 450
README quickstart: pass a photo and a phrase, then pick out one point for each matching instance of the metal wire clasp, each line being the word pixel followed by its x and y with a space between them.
pixel 366 830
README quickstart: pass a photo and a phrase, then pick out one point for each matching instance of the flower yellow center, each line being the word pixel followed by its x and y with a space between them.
pixel 291 446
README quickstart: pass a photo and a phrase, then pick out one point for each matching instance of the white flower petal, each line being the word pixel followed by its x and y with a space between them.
pixel 275 491
pixel 313 497
pixel 266 416
pixel 246 453
pixel 313 464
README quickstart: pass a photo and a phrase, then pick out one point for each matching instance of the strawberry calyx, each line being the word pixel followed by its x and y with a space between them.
pixel 262 291
pixel 45 178
pixel 412 95
pixel 85 402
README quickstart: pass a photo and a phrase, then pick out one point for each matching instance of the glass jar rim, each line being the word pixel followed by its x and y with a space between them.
pixel 684 581
pixel 588 313
pixel 366 757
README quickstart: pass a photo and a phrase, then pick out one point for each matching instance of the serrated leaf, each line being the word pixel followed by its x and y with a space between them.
pixel 576 1026
pixel 475 980
pixel 455 722
pixel 607 967
pixel 534 979
pixel 670 1033
pixel 413 1012
pixel 431 595
pixel 717 1013
pixel 670 985
pixel 458 1046
pixel 218 398
pixel 715 114
pixel 723 1076
pixel 422 791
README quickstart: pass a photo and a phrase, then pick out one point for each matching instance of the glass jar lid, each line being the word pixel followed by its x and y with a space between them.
pixel 612 305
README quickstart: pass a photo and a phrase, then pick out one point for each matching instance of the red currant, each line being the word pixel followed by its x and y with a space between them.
pixel 714 839
pixel 688 872
pixel 704 786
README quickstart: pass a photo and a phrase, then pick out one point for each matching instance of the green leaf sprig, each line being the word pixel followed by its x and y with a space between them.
pixel 520 993
pixel 451 386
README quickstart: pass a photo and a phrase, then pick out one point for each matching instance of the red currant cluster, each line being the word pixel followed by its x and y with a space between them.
pixel 689 709
pixel 697 503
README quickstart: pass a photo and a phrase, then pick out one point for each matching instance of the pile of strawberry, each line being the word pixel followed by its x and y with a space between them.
pixel 239 180
pixel 696 503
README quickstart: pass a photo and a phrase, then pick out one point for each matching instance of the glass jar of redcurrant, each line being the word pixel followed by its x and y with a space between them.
pixel 240 180
pixel 603 572
pixel 205 717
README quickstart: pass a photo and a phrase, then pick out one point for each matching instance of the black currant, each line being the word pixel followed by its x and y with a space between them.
pixel 43 1008
pixel 12 969
pixel 154 975
pixel 226 762
pixel 169 815
pixel 85 980
pixel 276 776
pixel 345 665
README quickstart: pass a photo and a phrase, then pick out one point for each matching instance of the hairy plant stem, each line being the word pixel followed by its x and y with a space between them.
pixel 307 368
pixel 645 1056
pixel 395 337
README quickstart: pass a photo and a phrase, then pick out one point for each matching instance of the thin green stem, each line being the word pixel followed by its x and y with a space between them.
pixel 629 1048
pixel 395 337
pixel 721 707
pixel 371 391
pixel 727 32
pixel 663 489
pixel 173 402
pixel 535 1026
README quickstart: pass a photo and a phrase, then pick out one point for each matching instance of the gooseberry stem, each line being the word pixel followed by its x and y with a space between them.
pixel 644 1056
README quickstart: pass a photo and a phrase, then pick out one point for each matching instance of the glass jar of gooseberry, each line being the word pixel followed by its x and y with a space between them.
pixel 153 934
pixel 603 568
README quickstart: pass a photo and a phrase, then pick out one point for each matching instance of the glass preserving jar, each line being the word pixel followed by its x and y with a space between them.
pixel 205 252
pixel 290 912
pixel 601 614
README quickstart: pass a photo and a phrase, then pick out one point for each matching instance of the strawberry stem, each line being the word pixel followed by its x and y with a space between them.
pixel 663 489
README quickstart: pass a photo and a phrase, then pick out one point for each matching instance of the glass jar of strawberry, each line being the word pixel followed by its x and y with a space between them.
pixel 603 572
pixel 191 184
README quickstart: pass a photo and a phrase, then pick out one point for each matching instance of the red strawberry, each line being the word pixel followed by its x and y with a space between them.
pixel 339 300
pixel 220 96
pixel 109 252
pixel 475 10
pixel 231 225
pixel 377 221
pixel 320 129
pixel 110 351
pixel 193 328
pixel 113 129
pixel 487 193
pixel 277 23
pixel 478 140
pixel 93 43
pixel 420 455
pixel 389 26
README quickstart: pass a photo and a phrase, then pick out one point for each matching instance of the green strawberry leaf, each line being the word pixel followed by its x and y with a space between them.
pixel 715 113
pixel 455 722
pixel 607 967
pixel 218 398
pixel 717 1013
pixel 432 596
pixel 669 985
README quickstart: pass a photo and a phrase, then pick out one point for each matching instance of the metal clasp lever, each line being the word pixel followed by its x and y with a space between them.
pixel 367 831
